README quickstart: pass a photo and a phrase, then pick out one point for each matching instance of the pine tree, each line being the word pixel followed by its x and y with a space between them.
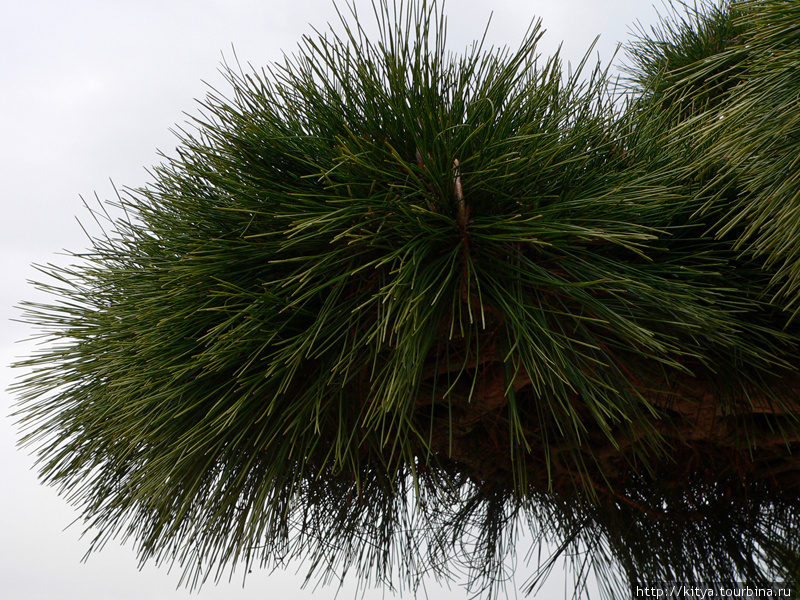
pixel 389 306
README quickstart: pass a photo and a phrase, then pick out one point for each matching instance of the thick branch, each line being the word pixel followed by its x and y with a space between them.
pixel 696 424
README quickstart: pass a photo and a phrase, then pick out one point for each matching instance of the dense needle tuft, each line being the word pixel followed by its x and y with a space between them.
pixel 387 307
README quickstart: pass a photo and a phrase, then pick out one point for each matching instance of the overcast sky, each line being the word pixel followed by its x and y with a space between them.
pixel 88 93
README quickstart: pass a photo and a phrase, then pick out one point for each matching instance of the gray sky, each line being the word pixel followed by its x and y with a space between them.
pixel 89 90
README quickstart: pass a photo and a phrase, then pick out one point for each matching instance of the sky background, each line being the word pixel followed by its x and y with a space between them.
pixel 89 91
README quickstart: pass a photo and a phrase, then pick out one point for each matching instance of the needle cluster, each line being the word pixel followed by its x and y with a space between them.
pixel 388 307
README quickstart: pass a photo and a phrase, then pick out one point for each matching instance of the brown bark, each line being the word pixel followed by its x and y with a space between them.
pixel 701 431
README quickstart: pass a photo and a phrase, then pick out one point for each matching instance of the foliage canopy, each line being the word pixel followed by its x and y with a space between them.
pixel 389 306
